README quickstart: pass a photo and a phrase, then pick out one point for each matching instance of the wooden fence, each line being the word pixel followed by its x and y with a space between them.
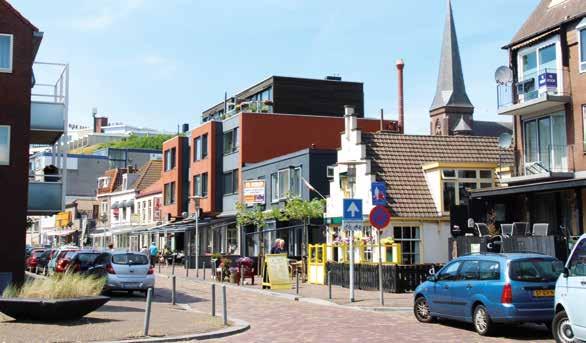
pixel 396 278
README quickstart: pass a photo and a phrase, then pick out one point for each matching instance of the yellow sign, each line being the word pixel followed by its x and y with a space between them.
pixel 62 219
pixel 276 272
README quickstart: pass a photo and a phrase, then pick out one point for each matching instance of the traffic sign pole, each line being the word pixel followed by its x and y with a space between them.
pixel 380 270
pixel 380 217
pixel 351 234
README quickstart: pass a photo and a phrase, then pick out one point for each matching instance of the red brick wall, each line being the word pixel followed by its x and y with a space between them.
pixel 175 175
pixel 206 165
pixel 15 91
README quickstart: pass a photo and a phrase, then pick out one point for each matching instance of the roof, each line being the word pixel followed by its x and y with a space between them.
pixel 398 160
pixel 548 15
pixel 148 175
pixel 18 14
pixel 155 188
pixel 115 176
pixel 451 90
pixel 491 128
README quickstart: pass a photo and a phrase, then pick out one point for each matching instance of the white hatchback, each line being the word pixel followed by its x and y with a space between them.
pixel 129 271
pixel 569 323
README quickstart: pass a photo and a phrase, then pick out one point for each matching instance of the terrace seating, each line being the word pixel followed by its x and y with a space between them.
pixel 540 229
pixel 481 229
pixel 507 230
pixel 521 229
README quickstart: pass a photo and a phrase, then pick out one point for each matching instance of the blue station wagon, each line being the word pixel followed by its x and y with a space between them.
pixel 486 288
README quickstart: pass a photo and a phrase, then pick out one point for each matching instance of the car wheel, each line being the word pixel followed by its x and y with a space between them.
pixel 422 311
pixel 562 328
pixel 482 322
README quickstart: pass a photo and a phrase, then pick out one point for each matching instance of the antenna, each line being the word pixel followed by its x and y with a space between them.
pixel 503 75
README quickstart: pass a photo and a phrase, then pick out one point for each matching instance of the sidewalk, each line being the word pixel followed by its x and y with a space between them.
pixel 340 296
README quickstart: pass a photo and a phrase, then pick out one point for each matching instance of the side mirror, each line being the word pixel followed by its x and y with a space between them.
pixel 566 272
pixel 432 278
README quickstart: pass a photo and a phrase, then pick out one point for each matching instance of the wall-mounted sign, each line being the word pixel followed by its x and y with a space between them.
pixel 254 192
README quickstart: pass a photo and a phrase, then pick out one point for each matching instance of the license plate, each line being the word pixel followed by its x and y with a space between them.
pixel 541 293
pixel 130 285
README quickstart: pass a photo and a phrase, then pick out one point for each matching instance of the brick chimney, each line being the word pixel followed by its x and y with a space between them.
pixel 99 123
pixel 400 104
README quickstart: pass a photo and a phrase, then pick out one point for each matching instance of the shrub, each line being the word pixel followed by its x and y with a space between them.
pixel 63 286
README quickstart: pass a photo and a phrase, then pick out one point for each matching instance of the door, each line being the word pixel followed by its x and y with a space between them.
pixel 462 290
pixel 576 283
pixel 441 301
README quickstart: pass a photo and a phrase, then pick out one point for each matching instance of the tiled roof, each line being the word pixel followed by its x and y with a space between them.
pixel 398 160
pixel 155 188
pixel 491 128
pixel 148 175
pixel 115 176
pixel 547 15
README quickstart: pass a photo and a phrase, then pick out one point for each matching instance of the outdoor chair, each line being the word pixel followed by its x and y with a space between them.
pixel 507 230
pixel 541 229
pixel 481 229
pixel 521 229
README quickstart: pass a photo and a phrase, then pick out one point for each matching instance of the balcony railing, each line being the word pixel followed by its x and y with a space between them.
pixel 252 106
pixel 45 194
pixel 548 159
pixel 49 99
pixel 546 84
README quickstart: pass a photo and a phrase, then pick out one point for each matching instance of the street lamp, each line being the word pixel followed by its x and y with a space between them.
pixel 196 199
pixel 351 172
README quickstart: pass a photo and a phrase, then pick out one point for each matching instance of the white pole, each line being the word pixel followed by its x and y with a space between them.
pixel 196 240
pixel 380 270
pixel 351 233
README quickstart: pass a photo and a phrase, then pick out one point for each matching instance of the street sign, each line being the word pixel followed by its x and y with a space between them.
pixel 379 193
pixel 380 217
pixel 352 209
pixel 352 225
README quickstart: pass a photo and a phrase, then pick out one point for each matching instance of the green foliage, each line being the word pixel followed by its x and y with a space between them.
pixel 295 209
pixel 139 142
pixel 299 209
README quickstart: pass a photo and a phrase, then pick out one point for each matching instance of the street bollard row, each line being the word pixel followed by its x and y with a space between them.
pixel 147 312
pixel 174 290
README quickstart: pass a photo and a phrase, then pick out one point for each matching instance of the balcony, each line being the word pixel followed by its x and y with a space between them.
pixel 45 195
pixel 248 106
pixel 49 98
pixel 539 91
pixel 546 163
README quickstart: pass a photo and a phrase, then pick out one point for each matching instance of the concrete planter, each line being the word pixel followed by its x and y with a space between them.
pixel 50 310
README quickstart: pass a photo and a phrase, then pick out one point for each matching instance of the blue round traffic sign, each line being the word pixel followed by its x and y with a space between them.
pixel 380 217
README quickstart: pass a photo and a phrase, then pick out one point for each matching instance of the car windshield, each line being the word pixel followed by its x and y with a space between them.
pixel 130 259
pixel 536 270
pixel 69 254
pixel 38 253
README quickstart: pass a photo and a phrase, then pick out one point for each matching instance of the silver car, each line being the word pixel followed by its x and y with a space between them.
pixel 129 271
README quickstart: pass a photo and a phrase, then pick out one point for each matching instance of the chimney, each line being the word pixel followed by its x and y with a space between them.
pixel 382 120
pixel 401 111
pixel 349 120
pixel 185 128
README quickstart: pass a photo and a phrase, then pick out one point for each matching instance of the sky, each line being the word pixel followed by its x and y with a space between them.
pixel 158 64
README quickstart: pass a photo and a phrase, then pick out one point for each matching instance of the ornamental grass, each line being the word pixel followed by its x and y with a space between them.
pixel 65 286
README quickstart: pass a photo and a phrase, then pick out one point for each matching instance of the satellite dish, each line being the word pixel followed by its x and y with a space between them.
pixel 503 75
pixel 505 140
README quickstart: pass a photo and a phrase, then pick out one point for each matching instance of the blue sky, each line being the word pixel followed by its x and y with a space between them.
pixel 160 63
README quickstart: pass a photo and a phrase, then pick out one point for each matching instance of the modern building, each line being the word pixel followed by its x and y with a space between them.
pixel 543 89
pixel 452 112
pixel 269 184
pixel 28 115
pixel 425 177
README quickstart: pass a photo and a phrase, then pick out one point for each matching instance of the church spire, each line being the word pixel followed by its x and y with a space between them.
pixel 450 84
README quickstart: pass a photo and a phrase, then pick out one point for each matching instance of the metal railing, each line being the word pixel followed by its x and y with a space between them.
pixel 50 82
pixel 552 158
pixel 545 81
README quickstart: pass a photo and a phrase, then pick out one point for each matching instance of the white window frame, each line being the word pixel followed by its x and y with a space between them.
pixel 11 57
pixel 458 180
pixel 419 240
pixel 7 162
pixel 581 27
pixel 555 40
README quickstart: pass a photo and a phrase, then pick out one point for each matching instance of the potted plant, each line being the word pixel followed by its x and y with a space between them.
pixel 234 275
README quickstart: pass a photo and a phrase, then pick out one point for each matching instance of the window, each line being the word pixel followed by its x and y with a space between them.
pixel 535 270
pixel 274 187
pixel 150 211
pixel 285 182
pixel 296 182
pixel 577 263
pixel 231 141
pixel 200 185
pixel 231 182
pixel 169 195
pixel 200 147
pixel 470 271
pixel 4 145
pixel 582 44
pixel 170 159
pixel 535 62
pixel 6 42
pixel 204 146
pixel 545 143
pixel 450 272
pixel 457 183
pixel 232 239
pixel 490 270
pixel 409 238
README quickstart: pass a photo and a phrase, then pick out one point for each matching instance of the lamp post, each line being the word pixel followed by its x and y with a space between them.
pixel 351 172
pixel 196 199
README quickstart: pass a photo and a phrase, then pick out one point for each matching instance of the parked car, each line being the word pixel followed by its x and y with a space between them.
pixel 81 261
pixel 569 323
pixel 486 289
pixel 129 271
pixel 32 261
pixel 58 256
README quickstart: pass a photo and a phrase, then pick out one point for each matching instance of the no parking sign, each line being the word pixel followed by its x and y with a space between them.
pixel 380 217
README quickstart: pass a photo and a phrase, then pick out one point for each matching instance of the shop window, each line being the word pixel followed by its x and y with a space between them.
pixel 4 145
pixel 410 239
pixel 232 239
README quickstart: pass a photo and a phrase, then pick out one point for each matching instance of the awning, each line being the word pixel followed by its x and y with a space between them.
pixel 529 188
pixel 128 229
pixel 116 205
pixel 60 233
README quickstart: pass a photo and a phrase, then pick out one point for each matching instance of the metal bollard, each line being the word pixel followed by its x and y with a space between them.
pixel 224 305
pixel 204 270
pixel 297 283
pixel 213 299
pixel 330 285
pixel 159 266
pixel 147 312
pixel 173 291
pixel 173 266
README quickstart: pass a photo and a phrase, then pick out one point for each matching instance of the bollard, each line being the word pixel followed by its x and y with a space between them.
pixel 224 306
pixel 204 270
pixel 147 312
pixel 330 284
pixel 173 266
pixel 213 299
pixel 159 266
pixel 173 291
pixel 297 283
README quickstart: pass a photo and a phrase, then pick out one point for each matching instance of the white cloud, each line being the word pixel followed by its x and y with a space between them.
pixel 104 14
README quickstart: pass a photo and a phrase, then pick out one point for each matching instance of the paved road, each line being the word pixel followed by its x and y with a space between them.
pixel 277 320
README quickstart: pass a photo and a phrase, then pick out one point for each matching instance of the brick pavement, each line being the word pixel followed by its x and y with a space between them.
pixel 276 319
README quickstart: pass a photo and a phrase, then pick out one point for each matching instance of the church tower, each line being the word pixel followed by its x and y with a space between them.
pixel 451 110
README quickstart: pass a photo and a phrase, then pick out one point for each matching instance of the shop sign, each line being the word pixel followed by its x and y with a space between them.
pixel 254 192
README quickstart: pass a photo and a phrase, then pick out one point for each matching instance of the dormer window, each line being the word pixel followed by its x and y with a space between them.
pixel 6 43
pixel 103 182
